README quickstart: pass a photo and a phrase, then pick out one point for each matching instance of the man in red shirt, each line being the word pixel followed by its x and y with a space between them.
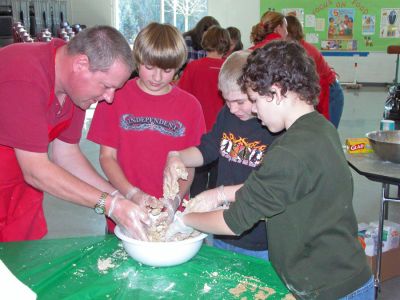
pixel 45 89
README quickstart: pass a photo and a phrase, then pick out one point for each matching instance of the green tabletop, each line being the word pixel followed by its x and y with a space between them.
pixel 99 268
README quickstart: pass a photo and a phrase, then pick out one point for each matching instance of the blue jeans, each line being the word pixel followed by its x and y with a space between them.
pixel 263 254
pixel 336 102
pixel 366 292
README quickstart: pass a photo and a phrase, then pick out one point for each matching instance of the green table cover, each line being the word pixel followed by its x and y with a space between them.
pixel 99 268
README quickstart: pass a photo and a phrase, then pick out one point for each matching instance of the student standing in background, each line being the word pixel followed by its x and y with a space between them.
pixel 272 26
pixel 193 39
pixel 200 78
pixel 236 40
pixel 331 98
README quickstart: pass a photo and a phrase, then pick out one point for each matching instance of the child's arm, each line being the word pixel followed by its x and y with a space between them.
pixel 191 157
pixel 114 173
pixel 213 199
pixel 178 162
pixel 112 169
pixel 211 222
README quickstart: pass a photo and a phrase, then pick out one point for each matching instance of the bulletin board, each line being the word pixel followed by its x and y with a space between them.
pixel 344 25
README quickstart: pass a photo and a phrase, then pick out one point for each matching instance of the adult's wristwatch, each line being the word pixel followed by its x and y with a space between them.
pixel 100 206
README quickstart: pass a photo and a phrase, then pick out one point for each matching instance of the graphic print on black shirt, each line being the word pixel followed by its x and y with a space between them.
pixel 239 150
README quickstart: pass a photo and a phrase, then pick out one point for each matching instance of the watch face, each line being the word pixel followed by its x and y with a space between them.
pixel 99 209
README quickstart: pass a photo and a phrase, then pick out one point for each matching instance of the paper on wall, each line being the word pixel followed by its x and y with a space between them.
pixel 310 21
pixel 312 38
pixel 319 24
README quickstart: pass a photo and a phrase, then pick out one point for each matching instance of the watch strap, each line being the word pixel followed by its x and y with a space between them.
pixel 100 206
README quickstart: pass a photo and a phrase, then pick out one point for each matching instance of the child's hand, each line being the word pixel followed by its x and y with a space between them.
pixel 178 226
pixel 171 205
pixel 173 171
pixel 207 201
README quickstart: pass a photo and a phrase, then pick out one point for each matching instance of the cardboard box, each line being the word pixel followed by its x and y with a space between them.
pixel 390 264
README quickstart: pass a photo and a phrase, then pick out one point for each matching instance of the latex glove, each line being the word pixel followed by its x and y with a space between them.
pixel 173 171
pixel 140 198
pixel 130 217
pixel 177 226
pixel 207 201
pixel 170 206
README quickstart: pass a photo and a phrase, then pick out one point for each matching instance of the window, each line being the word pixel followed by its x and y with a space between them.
pixel 133 15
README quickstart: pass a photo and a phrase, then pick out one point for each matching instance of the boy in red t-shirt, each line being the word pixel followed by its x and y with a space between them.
pixel 150 118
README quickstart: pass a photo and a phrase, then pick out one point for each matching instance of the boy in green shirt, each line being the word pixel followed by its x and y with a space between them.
pixel 305 189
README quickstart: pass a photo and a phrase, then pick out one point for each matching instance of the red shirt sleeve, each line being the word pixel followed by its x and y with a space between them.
pixel 101 129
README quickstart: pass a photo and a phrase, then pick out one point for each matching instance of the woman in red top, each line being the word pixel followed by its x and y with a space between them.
pixel 331 97
pixel 272 26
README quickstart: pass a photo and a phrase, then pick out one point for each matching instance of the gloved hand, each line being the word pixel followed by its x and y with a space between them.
pixel 178 226
pixel 207 201
pixel 141 198
pixel 173 171
pixel 170 206
pixel 130 217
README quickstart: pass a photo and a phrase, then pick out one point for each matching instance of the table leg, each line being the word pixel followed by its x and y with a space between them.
pixel 382 213
pixel 384 210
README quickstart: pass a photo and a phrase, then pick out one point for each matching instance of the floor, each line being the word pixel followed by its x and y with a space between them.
pixel 362 113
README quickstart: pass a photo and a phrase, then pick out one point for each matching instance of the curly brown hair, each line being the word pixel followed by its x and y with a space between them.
pixel 285 64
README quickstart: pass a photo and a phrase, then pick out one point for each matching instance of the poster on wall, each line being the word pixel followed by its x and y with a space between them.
pixel 340 23
pixel 339 45
pixel 390 23
pixel 297 12
pixel 368 25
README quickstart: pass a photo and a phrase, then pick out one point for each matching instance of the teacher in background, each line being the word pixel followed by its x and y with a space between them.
pixel 45 89
pixel 331 98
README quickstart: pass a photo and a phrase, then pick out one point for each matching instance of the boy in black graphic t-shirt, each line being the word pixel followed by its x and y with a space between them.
pixel 239 142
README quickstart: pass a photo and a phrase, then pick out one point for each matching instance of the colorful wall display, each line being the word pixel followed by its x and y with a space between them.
pixel 344 25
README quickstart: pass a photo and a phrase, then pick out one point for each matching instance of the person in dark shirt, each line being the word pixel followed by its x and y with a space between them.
pixel 304 189
pixel 239 143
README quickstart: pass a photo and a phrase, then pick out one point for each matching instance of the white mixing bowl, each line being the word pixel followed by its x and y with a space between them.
pixel 161 254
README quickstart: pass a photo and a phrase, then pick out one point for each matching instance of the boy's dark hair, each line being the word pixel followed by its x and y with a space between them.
pixel 294 28
pixel 236 37
pixel 196 34
pixel 217 39
pixel 284 63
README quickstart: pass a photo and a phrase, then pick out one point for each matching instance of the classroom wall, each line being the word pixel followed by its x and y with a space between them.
pixel 91 12
pixel 376 68
pixel 238 13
